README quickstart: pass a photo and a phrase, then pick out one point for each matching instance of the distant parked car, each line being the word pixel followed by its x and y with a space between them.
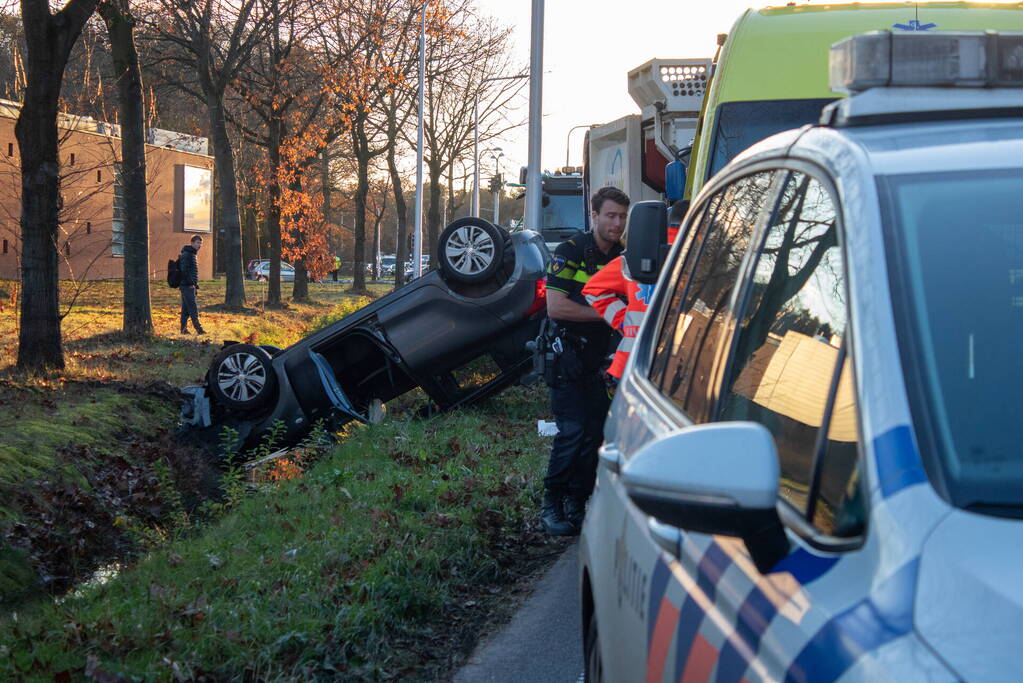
pixel 262 271
pixel 409 275
pixel 459 333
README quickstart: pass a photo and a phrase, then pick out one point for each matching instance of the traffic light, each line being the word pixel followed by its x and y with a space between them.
pixel 495 183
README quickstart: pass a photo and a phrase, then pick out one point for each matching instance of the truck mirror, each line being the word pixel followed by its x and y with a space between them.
pixel 674 180
pixel 647 231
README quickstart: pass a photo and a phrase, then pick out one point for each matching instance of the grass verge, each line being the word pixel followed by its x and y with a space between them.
pixel 376 563
pixel 93 444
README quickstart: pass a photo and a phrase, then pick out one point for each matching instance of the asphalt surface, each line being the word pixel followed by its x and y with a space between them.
pixel 543 642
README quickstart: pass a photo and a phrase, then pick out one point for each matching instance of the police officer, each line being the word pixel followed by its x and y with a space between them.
pixel 579 398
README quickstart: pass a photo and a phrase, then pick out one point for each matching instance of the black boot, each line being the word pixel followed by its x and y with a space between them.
pixel 575 510
pixel 553 517
pixel 184 330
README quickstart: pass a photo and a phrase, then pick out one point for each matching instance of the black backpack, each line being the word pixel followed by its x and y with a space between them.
pixel 173 273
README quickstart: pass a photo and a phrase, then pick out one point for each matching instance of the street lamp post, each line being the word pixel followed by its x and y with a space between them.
pixel 417 237
pixel 475 208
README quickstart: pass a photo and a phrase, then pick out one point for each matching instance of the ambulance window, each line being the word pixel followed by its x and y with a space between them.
pixel 790 333
pixel 696 320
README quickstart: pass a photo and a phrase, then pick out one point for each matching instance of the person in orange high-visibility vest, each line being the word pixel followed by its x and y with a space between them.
pixel 607 288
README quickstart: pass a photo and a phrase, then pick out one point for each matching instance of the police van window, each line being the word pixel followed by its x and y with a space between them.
pixel 790 332
pixel 838 509
pixel 691 332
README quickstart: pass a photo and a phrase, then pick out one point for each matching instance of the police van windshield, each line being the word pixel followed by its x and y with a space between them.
pixel 958 268
pixel 563 211
pixel 739 125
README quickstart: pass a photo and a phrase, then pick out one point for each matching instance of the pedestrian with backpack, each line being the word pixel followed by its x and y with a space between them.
pixel 188 265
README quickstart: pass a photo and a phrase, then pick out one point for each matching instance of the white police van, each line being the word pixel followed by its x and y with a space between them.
pixel 813 467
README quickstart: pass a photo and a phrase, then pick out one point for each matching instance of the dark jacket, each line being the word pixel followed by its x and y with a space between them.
pixel 189 264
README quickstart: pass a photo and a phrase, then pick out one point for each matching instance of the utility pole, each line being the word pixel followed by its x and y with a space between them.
pixel 417 236
pixel 533 197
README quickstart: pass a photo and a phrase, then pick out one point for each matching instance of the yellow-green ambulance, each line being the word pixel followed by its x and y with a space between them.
pixel 772 72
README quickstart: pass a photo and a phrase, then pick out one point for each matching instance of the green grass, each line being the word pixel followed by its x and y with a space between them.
pixel 360 569
pixel 36 423
pixel 112 409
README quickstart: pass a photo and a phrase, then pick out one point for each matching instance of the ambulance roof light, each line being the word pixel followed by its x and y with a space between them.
pixel 933 59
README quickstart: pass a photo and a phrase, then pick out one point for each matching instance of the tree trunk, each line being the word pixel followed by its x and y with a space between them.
pixel 300 289
pixel 376 248
pixel 48 41
pixel 361 191
pixel 400 208
pixel 138 318
pixel 273 213
pixel 433 232
pixel 227 185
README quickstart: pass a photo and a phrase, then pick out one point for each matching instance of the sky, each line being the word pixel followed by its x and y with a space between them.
pixel 589 48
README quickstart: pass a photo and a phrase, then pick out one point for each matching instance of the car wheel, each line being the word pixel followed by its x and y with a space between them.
pixel 594 671
pixel 471 250
pixel 242 377
pixel 261 278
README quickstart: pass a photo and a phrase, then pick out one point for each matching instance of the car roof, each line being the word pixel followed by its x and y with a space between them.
pixel 924 146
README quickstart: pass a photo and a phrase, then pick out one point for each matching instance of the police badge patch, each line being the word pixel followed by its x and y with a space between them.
pixel 557 264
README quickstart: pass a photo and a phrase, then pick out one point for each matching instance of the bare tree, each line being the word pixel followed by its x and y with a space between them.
pixel 214 40
pixel 120 23
pixel 49 38
pixel 461 66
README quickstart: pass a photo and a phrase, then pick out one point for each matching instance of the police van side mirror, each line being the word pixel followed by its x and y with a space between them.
pixel 717 478
pixel 647 239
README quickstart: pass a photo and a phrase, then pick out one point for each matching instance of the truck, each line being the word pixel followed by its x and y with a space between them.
pixel 645 155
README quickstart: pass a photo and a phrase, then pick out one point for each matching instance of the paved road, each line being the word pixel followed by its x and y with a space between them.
pixel 542 643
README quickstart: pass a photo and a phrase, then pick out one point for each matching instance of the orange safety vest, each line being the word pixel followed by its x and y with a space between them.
pixel 605 290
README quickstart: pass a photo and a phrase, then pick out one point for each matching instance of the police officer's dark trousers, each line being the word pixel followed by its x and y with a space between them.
pixel 580 402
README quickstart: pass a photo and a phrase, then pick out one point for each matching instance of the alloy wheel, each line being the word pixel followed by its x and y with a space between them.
pixel 470 250
pixel 241 376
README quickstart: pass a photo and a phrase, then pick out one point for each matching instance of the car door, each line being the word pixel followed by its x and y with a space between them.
pixel 788 367
pixel 628 570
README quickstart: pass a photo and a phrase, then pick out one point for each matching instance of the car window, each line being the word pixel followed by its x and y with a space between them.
pixel 790 332
pixel 695 319
pixel 838 509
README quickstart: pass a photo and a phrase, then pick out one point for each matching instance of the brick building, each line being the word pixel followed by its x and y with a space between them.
pixel 180 183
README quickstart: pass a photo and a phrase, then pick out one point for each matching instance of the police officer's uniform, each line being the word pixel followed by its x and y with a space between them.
pixel 579 397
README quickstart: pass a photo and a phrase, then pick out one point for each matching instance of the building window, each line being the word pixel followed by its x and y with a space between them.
pixel 10 149
pixel 71 161
pixel 88 227
pixel 117 224
pixel 5 246
pixel 99 176
pixel 193 199
pixel 67 249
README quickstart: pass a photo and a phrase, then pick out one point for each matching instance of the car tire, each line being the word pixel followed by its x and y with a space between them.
pixel 594 667
pixel 271 349
pixel 471 250
pixel 241 377
pixel 261 278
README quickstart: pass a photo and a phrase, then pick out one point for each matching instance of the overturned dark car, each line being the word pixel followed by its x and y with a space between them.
pixel 459 333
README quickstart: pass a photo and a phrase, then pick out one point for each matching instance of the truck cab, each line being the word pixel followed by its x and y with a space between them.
pixel 564 212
